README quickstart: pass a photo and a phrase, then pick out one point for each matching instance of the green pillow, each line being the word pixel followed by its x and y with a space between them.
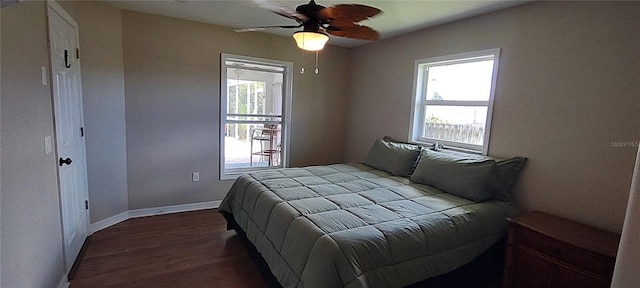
pixel 395 158
pixel 432 146
pixel 473 179
pixel 507 172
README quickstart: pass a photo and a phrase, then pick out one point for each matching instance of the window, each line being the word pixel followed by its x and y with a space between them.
pixel 453 100
pixel 255 101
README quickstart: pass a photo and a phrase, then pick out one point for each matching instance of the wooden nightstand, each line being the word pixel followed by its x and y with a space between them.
pixel 547 251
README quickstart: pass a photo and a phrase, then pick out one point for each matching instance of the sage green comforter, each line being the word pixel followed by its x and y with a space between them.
pixel 349 225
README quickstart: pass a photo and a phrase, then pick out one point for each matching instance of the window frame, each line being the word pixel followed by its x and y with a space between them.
pixel 420 102
pixel 285 122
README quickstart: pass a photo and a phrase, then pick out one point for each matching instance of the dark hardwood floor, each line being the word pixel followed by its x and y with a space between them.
pixel 194 249
pixel 190 249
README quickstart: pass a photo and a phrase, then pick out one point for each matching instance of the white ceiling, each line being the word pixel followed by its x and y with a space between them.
pixel 398 17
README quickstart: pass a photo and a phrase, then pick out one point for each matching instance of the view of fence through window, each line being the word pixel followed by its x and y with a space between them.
pixel 456 101
pixel 455 123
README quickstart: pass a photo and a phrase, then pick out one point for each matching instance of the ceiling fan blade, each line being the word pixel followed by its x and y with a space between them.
pixel 253 29
pixel 282 10
pixel 4 3
pixel 338 24
pixel 348 12
pixel 353 31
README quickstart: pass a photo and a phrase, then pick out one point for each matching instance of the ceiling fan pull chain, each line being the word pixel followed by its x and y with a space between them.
pixel 302 61
pixel 317 62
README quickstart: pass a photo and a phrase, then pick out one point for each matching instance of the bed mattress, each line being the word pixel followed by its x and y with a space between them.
pixel 349 225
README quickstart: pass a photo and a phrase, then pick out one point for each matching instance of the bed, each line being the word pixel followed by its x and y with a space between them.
pixel 365 225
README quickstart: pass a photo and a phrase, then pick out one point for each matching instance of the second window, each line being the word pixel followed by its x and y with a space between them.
pixel 454 99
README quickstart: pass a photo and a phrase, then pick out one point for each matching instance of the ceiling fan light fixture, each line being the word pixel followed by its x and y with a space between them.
pixel 310 40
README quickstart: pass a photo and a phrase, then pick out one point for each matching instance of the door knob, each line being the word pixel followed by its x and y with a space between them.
pixel 65 161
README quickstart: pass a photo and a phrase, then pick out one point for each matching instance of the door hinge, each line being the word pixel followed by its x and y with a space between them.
pixel 81 131
pixel 77 53
pixel 86 204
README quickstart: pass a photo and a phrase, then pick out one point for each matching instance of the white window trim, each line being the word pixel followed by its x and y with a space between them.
pixel 286 115
pixel 419 89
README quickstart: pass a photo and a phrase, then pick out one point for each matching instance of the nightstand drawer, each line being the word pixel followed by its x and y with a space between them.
pixel 530 269
pixel 571 255
pixel 548 251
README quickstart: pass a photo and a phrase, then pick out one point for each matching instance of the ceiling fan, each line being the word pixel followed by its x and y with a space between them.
pixel 317 20
pixel 4 3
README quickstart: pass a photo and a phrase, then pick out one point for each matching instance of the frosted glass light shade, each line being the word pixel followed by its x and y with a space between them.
pixel 310 41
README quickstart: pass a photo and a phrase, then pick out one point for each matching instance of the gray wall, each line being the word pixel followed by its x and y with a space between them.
pixel 100 28
pixel 31 234
pixel 0 149
pixel 567 88
pixel 172 88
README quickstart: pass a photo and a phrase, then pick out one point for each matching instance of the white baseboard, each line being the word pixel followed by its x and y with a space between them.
pixel 64 282
pixel 173 209
pixel 113 220
pixel 102 224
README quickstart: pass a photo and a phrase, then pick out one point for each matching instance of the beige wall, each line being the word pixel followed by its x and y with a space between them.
pixel 172 88
pixel 31 233
pixel 100 28
pixel 567 88
pixel 0 148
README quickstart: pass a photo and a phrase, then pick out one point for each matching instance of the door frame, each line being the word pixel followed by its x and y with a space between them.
pixel 52 4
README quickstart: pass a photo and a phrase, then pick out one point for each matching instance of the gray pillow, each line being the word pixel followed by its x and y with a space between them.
pixel 473 179
pixel 507 171
pixel 432 146
pixel 395 158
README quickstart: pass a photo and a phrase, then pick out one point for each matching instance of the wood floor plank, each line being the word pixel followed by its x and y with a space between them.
pixel 190 249
pixel 194 249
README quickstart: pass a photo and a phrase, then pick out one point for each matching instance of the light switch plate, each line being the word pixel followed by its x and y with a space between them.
pixel 47 145
pixel 45 80
pixel 195 176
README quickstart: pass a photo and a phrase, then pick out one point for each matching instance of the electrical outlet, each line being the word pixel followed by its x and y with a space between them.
pixel 195 176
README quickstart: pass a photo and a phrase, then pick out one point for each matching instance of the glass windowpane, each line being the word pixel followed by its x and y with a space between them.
pixel 254 120
pixel 460 82
pixel 464 124
pixel 252 145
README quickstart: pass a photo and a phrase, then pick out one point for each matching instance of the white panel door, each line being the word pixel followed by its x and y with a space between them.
pixel 67 98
